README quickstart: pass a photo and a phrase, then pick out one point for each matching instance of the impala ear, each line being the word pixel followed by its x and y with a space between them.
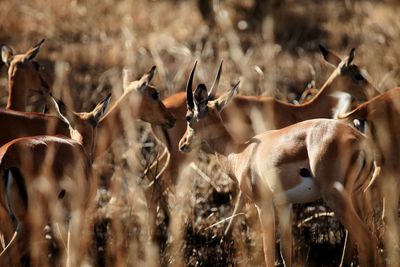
pixel 60 109
pixel 99 111
pixel 351 56
pixel 214 87
pixel 201 95
pixel 31 54
pixel 146 79
pixel 225 99
pixel 330 57
pixel 6 54
pixel 126 78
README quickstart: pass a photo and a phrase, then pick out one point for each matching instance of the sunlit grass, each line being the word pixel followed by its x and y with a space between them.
pixel 89 42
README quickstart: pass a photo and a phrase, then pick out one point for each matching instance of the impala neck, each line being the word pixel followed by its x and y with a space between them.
pixel 323 103
pixel 113 124
pixel 17 96
pixel 327 88
pixel 223 145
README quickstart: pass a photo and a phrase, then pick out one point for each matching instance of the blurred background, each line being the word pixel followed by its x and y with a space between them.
pixel 270 45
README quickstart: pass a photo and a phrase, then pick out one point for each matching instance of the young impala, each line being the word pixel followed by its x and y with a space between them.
pixel 379 118
pixel 139 98
pixel 140 101
pixel 274 114
pixel 306 161
pixel 23 74
pixel 47 178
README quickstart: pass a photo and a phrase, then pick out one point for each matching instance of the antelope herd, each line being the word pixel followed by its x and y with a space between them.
pixel 340 146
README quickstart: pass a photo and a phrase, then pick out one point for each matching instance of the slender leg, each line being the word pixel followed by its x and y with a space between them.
pixel 365 211
pixel 267 218
pixel 285 227
pixel 341 203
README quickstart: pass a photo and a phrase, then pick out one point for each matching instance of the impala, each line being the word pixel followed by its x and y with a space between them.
pixel 139 98
pixel 273 114
pixel 378 118
pixel 296 164
pixel 15 124
pixel 140 101
pixel 23 74
pixel 43 174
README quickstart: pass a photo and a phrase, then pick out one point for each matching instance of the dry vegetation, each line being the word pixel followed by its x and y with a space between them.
pixel 275 53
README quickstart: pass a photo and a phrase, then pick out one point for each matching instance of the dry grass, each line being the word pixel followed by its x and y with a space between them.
pixel 89 42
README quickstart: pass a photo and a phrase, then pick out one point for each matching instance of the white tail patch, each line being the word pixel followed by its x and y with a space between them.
pixel 343 105
pixel 304 192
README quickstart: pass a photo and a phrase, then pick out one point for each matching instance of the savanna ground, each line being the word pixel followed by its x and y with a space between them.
pixel 272 48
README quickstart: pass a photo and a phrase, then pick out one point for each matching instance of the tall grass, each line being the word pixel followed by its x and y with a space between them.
pixel 88 43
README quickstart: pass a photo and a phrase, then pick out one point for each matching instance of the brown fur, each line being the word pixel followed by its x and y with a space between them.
pixel 138 102
pixel 268 165
pixel 382 116
pixel 23 75
pixel 274 114
pixel 45 168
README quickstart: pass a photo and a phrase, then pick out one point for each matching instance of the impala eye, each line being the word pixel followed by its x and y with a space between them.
pixel 155 95
pixel 359 77
pixel 36 65
pixel 188 119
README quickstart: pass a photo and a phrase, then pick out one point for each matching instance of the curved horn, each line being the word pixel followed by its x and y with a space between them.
pixel 214 87
pixel 189 91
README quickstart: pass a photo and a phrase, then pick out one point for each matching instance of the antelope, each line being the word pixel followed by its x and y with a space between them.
pixel 142 101
pixel 147 107
pixel 274 114
pixel 17 124
pixel 41 171
pixel 378 119
pixel 23 75
pixel 296 164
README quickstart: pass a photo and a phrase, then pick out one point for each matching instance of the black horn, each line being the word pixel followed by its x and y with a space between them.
pixel 189 88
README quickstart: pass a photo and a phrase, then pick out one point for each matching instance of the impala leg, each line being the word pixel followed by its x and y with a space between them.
pixel 267 219
pixel 285 228
pixel 16 198
pixel 9 257
pixel 348 250
pixel 365 210
pixel 341 203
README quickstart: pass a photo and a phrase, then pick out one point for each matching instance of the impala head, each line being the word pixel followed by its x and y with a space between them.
pixel 23 74
pixel 149 105
pixel 84 128
pixel 348 77
pixel 203 114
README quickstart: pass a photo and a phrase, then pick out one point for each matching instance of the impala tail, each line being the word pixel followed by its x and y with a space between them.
pixel 16 194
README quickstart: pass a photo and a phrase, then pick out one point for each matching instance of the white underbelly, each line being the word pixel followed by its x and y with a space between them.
pixel 306 191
